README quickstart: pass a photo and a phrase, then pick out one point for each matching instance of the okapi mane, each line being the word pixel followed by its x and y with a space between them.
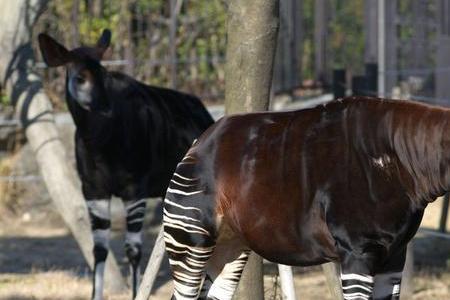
pixel 415 133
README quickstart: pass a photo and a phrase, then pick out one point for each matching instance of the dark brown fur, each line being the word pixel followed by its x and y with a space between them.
pixel 290 183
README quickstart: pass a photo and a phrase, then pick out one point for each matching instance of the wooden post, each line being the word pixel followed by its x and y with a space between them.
pixel 34 110
pixel 339 83
pixel 407 286
pixel 153 265
pixel 359 85
pixel 252 36
pixel 332 273
pixel 444 214
pixel 372 79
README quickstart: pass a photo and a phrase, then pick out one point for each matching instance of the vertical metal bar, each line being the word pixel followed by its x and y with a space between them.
pixel 173 42
pixel 74 18
pixel 381 49
pixel 321 18
pixel 287 282
pixel 370 29
pixel 390 45
pixel 297 16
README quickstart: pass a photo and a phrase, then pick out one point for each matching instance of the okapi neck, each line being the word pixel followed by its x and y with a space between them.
pixel 422 143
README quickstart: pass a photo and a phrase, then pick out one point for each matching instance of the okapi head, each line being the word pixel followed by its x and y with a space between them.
pixel 85 75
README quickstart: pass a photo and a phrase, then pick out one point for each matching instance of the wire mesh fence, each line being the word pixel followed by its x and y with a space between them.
pixel 177 43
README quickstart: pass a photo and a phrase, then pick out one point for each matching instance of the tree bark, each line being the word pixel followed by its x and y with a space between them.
pixel 252 35
pixel 34 110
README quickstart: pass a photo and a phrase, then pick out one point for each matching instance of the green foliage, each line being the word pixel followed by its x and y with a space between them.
pixel 4 99
pixel 141 34
pixel 347 36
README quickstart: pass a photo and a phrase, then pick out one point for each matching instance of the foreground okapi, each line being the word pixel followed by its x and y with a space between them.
pixel 343 182
pixel 129 139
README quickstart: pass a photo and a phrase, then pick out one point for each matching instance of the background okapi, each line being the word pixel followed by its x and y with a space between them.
pixel 129 139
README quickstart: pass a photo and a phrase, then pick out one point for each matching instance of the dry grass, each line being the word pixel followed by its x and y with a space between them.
pixel 432 215
pixel 428 285
pixel 57 285
pixel 8 189
pixel 51 285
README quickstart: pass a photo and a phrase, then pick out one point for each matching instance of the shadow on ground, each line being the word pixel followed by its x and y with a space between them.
pixel 29 254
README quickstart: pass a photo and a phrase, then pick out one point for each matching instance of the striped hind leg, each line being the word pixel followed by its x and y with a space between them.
pixel 189 227
pixel 135 210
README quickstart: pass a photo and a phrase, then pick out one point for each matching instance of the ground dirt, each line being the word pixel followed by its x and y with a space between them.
pixel 40 260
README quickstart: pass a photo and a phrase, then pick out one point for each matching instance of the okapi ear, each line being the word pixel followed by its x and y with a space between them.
pixel 104 40
pixel 54 53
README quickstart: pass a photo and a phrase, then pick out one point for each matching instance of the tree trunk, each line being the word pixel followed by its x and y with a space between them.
pixel 252 35
pixel 34 110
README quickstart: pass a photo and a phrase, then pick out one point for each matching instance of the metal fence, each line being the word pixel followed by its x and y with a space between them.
pixel 178 44
pixel 417 48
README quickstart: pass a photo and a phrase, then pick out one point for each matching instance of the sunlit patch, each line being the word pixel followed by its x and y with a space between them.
pixel 381 161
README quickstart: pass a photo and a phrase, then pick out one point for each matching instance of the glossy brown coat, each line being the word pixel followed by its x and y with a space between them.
pixel 351 177
pixel 347 182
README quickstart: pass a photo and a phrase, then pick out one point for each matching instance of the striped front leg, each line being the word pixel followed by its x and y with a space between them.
pixel 99 214
pixel 357 286
pixel 133 239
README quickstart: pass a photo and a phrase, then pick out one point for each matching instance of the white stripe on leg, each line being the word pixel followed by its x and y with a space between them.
pixel 357 286
pixel 225 284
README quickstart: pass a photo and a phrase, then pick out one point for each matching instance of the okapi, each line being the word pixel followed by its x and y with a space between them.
pixel 129 139
pixel 343 182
